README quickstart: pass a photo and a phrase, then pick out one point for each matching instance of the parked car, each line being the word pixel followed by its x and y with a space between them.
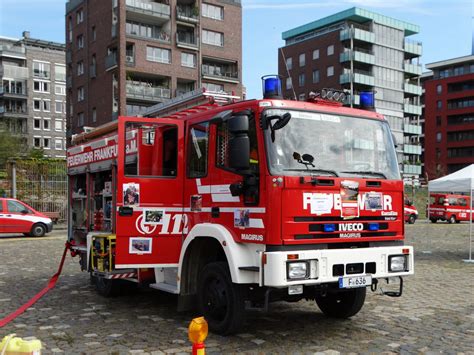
pixel 410 212
pixel 18 217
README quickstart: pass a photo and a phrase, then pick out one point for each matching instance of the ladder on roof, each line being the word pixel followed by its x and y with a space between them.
pixel 187 102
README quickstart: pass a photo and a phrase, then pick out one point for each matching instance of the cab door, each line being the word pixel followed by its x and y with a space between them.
pixel 150 219
pixel 18 217
pixel 3 217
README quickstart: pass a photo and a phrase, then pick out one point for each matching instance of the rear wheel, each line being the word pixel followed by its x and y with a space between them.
pixel 433 220
pixel 452 219
pixel 412 219
pixel 219 300
pixel 342 304
pixel 38 230
pixel 106 287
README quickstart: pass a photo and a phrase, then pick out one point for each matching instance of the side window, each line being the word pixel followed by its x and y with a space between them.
pixel 222 146
pixel 198 141
pixel 1 206
pixel 462 202
pixel 16 207
pixel 453 201
pixel 151 149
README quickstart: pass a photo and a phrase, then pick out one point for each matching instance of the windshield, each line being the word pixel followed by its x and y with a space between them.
pixel 339 146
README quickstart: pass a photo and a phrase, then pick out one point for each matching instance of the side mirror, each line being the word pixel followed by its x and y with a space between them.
pixel 24 212
pixel 239 143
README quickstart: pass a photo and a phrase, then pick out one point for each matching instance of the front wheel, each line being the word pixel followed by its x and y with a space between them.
pixel 219 300
pixel 411 219
pixel 433 220
pixel 38 230
pixel 342 304
pixel 452 219
pixel 105 287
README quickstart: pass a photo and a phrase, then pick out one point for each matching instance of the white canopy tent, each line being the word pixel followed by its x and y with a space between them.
pixel 459 181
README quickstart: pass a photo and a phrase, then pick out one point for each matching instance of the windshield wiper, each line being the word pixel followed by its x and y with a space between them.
pixel 332 172
pixel 363 172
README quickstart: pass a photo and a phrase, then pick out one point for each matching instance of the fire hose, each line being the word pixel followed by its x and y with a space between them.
pixel 51 284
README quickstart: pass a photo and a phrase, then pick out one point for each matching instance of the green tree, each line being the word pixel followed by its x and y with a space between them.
pixel 11 147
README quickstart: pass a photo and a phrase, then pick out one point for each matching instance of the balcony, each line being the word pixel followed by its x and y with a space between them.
pixel 412 48
pixel 186 40
pixel 412 149
pixel 72 4
pixel 359 34
pixel 412 169
pixel 111 61
pixel 12 112
pixel 12 51
pixel 187 14
pixel 220 73
pixel 412 109
pixel 412 129
pixel 358 77
pixel 149 12
pixel 413 69
pixel 14 72
pixel 19 93
pixel 357 55
pixel 412 89
pixel 92 71
pixel 140 91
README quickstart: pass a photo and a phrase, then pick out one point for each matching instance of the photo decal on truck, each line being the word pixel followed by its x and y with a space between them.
pixel 140 245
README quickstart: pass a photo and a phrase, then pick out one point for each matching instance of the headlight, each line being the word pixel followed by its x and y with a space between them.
pixel 397 263
pixel 297 270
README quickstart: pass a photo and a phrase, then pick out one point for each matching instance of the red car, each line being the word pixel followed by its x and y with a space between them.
pixel 410 212
pixel 17 217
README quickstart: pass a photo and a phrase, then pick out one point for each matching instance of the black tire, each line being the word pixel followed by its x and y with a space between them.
pixel 433 220
pixel 106 287
pixel 219 300
pixel 38 230
pixel 411 219
pixel 458 221
pixel 342 304
pixel 452 219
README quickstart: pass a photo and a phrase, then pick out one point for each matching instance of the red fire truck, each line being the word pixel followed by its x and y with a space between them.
pixel 449 207
pixel 233 206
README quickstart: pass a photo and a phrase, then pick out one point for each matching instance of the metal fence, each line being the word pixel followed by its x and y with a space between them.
pixel 42 184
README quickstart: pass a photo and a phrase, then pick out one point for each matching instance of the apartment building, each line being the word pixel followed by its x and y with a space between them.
pixel 125 55
pixel 33 92
pixel 361 51
pixel 449 116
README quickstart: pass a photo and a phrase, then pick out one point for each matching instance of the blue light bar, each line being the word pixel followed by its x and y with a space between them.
pixel 329 227
pixel 271 87
pixel 367 99
pixel 373 227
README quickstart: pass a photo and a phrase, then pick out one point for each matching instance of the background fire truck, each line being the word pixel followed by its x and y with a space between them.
pixel 449 207
pixel 233 206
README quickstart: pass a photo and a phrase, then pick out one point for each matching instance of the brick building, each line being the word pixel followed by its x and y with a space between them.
pixel 125 55
pixel 449 116
pixel 361 51
pixel 33 92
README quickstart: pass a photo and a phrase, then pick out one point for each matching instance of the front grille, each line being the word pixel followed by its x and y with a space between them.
pixel 320 227
pixel 352 269
pixel 336 236
pixel 339 219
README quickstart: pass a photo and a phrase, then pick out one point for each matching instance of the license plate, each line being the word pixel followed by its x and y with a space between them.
pixel 355 281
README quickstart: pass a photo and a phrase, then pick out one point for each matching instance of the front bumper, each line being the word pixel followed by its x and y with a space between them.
pixel 49 227
pixel 324 263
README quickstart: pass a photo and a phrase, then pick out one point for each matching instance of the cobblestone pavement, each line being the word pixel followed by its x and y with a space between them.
pixel 435 313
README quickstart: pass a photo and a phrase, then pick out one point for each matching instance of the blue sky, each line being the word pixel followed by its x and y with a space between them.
pixel 446 26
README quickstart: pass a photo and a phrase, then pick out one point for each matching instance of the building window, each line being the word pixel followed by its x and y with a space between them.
pixel 58 144
pixel 302 59
pixel 438 137
pixel 213 38
pixel 315 76
pixel 60 90
pixel 94 34
pixel 94 115
pixel 37 142
pixel 289 63
pixel 212 11
pixel 301 80
pixel 316 54
pixel 37 123
pixel 330 50
pixel 46 143
pixel 41 70
pixel 80 94
pixel 289 84
pixel 80 16
pixel 80 42
pixel 80 68
pixel 438 153
pixel 70 29
pixel 47 124
pixel 301 97
pixel 80 119
pixel 188 60
pixel 41 86
pixel 213 87
pixel 36 105
pixel 439 104
pixel 458 70
pixel 46 105
pixel 146 31
pixel 439 89
pixel 159 55
pixel 58 107
pixel 59 72
pixel 330 71
pixel 438 120
pixel 58 125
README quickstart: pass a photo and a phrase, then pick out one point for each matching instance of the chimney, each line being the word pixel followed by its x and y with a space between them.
pixel 26 34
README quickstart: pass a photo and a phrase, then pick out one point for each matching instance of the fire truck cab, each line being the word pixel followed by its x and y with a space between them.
pixel 235 206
